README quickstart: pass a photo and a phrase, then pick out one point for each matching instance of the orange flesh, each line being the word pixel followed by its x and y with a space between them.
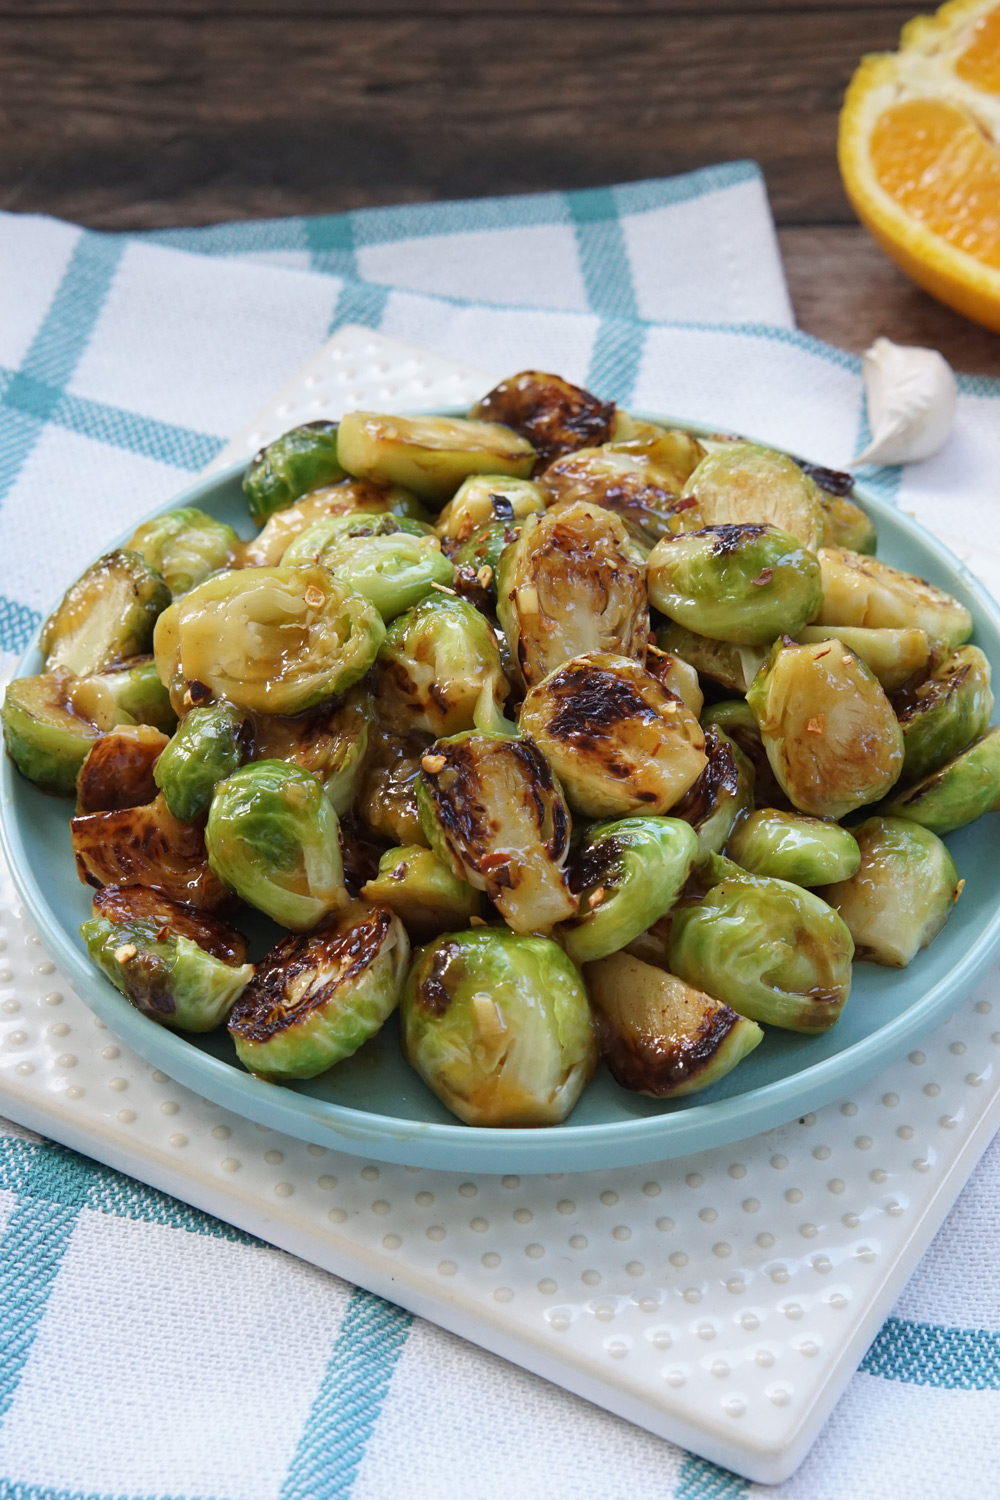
pixel 979 64
pixel 933 159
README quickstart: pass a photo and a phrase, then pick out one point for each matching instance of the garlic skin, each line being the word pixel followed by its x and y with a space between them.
pixel 911 403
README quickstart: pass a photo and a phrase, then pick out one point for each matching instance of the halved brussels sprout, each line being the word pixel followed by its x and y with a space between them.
pixel 48 737
pixel 861 590
pixel 354 498
pixel 165 975
pixel 184 546
pixel 143 903
pixel 439 669
pixel 742 483
pixel 298 461
pixel 494 814
pixel 499 1027
pixel 330 741
pixel 486 498
pixel 387 795
pixel 129 690
pixel 747 584
pixel 554 416
pixel 830 734
pixel 571 583
pixel 847 525
pixel 147 846
pixel 392 572
pixel 901 895
pixel 618 740
pixel 275 640
pixel 732 667
pixel 658 1035
pixel 118 771
pixel 208 747
pixel 424 893
pixel 677 676
pixel 316 999
pixel 429 455
pixel 106 616
pixel 893 655
pixel 272 837
pixel 774 952
pixel 625 479
pixel 722 794
pixel 626 875
pixel 791 846
pixel 945 712
pixel 319 542
pixel 961 791
pixel 735 718
pixel 675 453
pixel 477 563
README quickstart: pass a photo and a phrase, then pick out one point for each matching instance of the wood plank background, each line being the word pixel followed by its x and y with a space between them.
pixel 133 114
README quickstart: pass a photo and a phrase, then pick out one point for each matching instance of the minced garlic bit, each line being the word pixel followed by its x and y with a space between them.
pixel 527 599
pixel 488 1018
pixel 596 897
pixel 485 576
pixel 443 588
pixel 314 596
pixel 477 921
pixel 125 952
pixel 432 764
pixel 816 725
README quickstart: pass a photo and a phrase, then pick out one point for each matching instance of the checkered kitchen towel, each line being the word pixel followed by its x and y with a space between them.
pixel 147 1350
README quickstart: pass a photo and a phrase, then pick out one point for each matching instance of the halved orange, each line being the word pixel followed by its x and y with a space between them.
pixel 919 153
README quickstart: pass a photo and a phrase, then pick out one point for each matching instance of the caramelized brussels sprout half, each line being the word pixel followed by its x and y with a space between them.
pixel 272 837
pixel 847 525
pixel 387 795
pixel 275 640
pixel 618 741
pixel 424 893
pixel 626 875
pixel 295 463
pixel 477 563
pixel 893 655
pixel 494 814
pixel 316 999
pixel 830 734
pixel 733 667
pixel 625 479
pixel 143 903
pixel 863 591
pixel 774 952
pixel 571 583
pixel 740 483
pixel 147 845
pixel 118 771
pixel 486 498
pixel 184 546
pixel 677 676
pixel 962 790
pixel 554 416
pixel 945 712
pixel 790 846
pixel 208 747
pixel 48 737
pixel 352 498
pixel 675 453
pixel 747 584
pixel 330 741
pixel 499 1027
pixel 902 893
pixel 429 455
pixel 127 690
pixel 658 1035
pixel 722 794
pixel 439 669
pixel 734 717
pixel 107 615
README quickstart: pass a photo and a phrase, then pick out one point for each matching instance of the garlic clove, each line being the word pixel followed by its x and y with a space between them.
pixel 911 396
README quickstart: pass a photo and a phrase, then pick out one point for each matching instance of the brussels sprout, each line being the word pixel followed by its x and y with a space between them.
pixel 747 584
pixel 319 542
pixel 626 875
pixel 429 455
pixel 295 463
pixel 893 655
pixel 477 562
pixel 129 690
pixel 630 483
pixel 732 667
pixel 847 525
pixel 901 895
pixel 147 846
pixel 735 718
pixel 741 482
pixel 677 676
pixel 208 747
pixel 722 794
pixel 142 903
pixel 486 498
pixel 106 616
pixel 830 734
pixel 392 572
pixel 863 591
pixel 387 796
pixel 184 546
pixel 961 791
pixel 439 669
pixel 619 741
pixel 774 952
pixel 275 640
pixel 674 453
pixel 494 814
pixel 272 837
pixel 658 1035
pixel 571 583
pixel 353 498
pixel 118 771
pixel 316 999
pixel 627 428
pixel 790 846
pixel 499 1027
pixel 554 416
pixel 46 734
pixel 426 897
pixel 946 712
pixel 330 741
pixel 166 976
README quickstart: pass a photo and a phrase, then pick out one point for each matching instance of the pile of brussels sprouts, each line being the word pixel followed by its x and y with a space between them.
pixel 540 725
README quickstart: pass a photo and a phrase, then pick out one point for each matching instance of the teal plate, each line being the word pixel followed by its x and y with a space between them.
pixel 374 1105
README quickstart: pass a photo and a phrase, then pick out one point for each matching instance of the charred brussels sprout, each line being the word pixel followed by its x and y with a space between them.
pixel 272 837
pixel 316 999
pixel 790 846
pixel 477 562
pixel 619 742
pixel 571 583
pixel 499 1027
pixel 429 455
pixel 107 615
pixel 486 498
pixel 658 1035
pixel 554 416
pixel 387 795
pixel 677 676
pixel 330 742
pixel 439 669
pixel 740 483
pixel 184 546
pixel 131 688
pixel 142 903
pixel 863 591
pixel 722 794
pixel 206 749
pixel 424 893
pixel 847 525
pixel 747 584
pixel 774 952
pixel 732 667
pixel 626 875
pixel 830 734
pixel 118 771
pixel 946 712
pixel 674 453
pixel 494 814
pixel 901 895
pixel 625 479
pixel 148 846
pixel 893 655
pixel 298 461
pixel 962 790
pixel 47 736
pixel 351 498
pixel 734 717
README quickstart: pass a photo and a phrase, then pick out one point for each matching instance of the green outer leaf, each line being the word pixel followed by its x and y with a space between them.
pixel 205 749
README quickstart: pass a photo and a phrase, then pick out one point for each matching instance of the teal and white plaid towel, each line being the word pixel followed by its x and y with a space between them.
pixel 146 1350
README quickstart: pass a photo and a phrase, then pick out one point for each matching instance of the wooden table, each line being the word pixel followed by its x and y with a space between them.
pixel 135 114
